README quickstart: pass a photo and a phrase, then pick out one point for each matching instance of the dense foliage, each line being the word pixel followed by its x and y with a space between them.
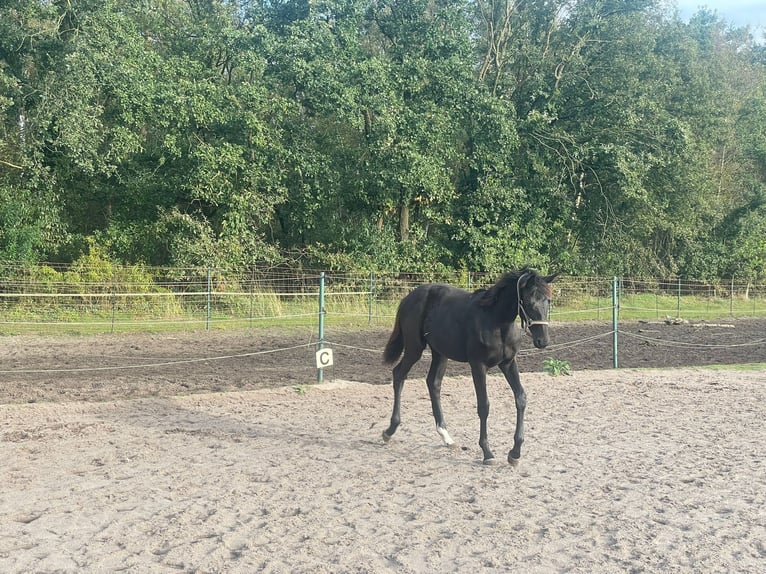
pixel 585 136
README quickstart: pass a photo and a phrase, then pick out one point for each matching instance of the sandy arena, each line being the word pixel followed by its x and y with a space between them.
pixel 206 466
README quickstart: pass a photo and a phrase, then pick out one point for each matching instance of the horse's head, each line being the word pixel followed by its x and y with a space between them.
pixel 534 300
pixel 525 294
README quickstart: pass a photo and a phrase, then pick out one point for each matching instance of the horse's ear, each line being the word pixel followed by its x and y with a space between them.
pixel 524 279
pixel 551 278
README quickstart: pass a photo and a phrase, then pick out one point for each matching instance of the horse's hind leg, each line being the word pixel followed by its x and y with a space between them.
pixel 434 381
pixel 411 356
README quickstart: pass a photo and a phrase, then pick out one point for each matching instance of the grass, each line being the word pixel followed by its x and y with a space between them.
pixel 649 306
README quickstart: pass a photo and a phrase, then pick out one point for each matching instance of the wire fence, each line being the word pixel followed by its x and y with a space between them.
pixel 48 299
pixel 108 298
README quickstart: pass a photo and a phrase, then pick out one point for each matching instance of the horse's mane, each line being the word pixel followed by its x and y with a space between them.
pixel 509 280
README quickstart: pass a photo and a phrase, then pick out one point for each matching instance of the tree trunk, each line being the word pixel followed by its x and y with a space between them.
pixel 404 222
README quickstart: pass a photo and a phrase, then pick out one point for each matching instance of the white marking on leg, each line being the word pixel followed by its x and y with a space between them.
pixel 445 436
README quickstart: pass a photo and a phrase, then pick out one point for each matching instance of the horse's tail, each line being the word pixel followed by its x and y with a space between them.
pixel 395 344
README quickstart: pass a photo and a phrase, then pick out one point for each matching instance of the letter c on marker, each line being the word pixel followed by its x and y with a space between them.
pixel 324 358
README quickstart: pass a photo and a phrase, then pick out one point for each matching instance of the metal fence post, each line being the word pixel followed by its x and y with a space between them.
pixel 252 293
pixel 114 298
pixel 615 312
pixel 753 299
pixel 320 372
pixel 209 298
pixel 371 301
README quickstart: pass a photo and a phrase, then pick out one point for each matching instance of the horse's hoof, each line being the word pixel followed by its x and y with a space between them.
pixel 446 438
pixel 513 461
pixel 489 461
pixel 386 436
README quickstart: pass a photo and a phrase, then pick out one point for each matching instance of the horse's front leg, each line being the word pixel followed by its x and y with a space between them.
pixel 511 371
pixel 479 373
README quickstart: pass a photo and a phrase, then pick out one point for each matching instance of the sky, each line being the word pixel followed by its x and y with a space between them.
pixel 738 12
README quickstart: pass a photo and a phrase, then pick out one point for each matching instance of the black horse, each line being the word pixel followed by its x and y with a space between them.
pixel 477 328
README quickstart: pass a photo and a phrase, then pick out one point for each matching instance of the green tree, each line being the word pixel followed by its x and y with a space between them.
pixel 30 44
pixel 616 149
pixel 380 94
pixel 601 136
pixel 145 114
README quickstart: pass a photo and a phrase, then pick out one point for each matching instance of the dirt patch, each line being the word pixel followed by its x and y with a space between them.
pixel 110 367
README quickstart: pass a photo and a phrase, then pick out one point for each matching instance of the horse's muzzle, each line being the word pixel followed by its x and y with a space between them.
pixel 539 335
pixel 540 342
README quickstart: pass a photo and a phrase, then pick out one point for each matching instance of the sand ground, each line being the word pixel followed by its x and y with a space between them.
pixel 622 471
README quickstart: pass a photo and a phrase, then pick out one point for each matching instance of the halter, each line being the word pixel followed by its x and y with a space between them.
pixel 525 320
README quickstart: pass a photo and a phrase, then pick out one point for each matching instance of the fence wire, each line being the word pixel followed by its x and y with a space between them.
pixel 45 299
